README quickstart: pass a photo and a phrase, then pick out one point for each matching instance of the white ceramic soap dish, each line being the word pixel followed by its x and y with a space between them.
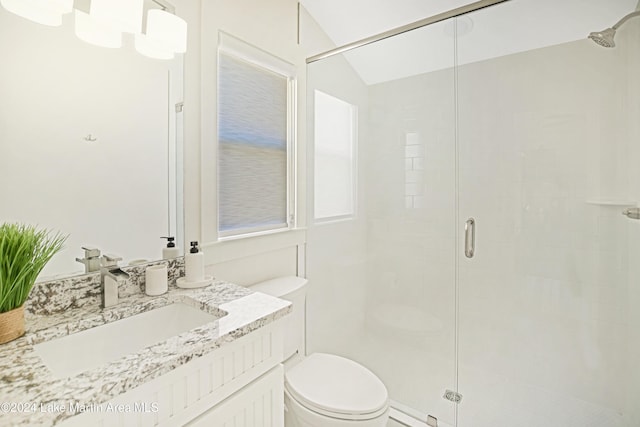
pixel 182 283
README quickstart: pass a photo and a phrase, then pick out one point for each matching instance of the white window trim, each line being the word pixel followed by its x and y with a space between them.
pixel 231 46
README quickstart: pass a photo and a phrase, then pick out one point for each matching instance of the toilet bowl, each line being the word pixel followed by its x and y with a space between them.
pixel 323 390
pixel 329 390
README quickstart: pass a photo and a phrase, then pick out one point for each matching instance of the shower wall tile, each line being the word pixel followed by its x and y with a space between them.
pixel 560 324
pixel 544 301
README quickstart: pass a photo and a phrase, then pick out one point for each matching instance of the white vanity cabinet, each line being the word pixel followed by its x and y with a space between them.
pixel 261 403
pixel 239 384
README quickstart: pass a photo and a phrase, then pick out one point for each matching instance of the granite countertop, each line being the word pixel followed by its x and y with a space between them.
pixel 27 387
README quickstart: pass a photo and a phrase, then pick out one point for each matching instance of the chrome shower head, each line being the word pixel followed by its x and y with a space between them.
pixel 604 38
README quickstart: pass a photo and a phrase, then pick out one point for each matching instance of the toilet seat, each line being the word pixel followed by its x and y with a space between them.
pixel 337 387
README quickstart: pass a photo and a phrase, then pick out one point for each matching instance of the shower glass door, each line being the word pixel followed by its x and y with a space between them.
pixel 382 268
pixel 548 160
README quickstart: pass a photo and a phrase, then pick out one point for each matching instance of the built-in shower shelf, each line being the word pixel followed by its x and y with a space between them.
pixel 611 202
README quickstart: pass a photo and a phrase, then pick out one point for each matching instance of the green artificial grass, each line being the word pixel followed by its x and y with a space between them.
pixel 24 251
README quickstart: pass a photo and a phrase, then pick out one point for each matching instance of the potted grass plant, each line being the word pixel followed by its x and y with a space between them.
pixel 24 251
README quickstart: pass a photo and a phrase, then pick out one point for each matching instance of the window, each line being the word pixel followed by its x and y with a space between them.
pixel 255 105
pixel 334 158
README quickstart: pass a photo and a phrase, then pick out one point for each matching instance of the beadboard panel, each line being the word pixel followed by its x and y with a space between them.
pixel 181 395
pixel 260 404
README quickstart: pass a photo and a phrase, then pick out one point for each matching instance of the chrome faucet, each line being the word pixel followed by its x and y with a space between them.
pixel 91 260
pixel 110 278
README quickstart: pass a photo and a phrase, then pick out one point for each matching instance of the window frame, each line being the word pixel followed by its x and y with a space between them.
pixel 258 58
pixel 354 109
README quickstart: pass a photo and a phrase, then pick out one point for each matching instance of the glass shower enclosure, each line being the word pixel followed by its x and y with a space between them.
pixel 485 272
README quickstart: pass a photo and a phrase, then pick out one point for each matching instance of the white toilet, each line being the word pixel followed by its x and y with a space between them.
pixel 323 390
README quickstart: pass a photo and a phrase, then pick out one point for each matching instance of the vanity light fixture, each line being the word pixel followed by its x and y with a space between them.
pixel 107 20
pixel 168 29
pixel 151 48
pixel 96 32
pixel 121 15
pixel 45 12
pixel 166 34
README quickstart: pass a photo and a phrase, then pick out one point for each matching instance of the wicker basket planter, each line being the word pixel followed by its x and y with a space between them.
pixel 24 251
pixel 11 324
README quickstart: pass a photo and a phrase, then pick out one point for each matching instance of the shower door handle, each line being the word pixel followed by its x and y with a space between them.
pixel 470 237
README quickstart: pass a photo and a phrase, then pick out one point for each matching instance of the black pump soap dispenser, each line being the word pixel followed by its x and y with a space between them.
pixel 194 269
pixel 171 251
pixel 194 264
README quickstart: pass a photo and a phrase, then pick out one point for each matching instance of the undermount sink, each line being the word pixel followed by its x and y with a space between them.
pixel 100 345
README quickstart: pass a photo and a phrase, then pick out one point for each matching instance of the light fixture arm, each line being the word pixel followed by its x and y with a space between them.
pixel 168 7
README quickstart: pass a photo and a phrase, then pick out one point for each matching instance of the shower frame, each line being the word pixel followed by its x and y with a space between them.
pixel 459 11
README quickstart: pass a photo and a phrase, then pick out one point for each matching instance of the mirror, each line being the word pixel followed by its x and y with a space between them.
pixel 90 142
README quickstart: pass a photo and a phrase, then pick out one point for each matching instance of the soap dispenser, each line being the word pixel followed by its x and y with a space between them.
pixel 194 264
pixel 194 270
pixel 171 251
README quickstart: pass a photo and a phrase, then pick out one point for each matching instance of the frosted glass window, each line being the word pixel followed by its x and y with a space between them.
pixel 252 153
pixel 334 164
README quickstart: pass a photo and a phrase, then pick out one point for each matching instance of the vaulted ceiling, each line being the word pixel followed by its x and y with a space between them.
pixel 510 27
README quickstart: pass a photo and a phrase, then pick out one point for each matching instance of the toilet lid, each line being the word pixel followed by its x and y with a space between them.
pixel 337 387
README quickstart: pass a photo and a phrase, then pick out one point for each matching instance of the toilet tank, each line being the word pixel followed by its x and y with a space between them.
pixel 294 289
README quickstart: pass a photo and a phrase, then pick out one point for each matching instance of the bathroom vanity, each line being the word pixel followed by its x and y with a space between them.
pixel 81 366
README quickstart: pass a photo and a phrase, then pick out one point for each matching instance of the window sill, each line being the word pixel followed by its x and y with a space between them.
pixel 258 233
pixel 334 220
pixel 246 245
